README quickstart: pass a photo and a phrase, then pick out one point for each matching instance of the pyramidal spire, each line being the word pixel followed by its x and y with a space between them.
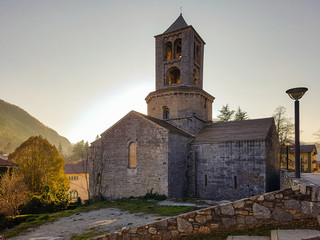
pixel 179 23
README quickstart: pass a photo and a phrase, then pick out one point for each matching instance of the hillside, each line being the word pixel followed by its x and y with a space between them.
pixel 16 126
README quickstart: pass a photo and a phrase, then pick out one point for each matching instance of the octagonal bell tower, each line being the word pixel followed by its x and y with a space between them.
pixel 179 97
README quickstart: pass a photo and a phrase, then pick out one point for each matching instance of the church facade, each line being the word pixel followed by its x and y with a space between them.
pixel 176 149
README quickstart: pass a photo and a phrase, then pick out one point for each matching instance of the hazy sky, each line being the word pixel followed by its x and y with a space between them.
pixel 79 66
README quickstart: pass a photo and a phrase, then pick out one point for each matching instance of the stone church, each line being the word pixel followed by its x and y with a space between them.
pixel 176 149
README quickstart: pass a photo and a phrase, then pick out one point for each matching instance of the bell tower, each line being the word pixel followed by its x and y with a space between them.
pixel 179 97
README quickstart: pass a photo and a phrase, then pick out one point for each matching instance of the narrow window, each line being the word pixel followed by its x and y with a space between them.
pixel 177 48
pixel 132 155
pixel 235 184
pixel 168 51
pixel 195 77
pixel 165 110
pixel 173 76
pixel 197 53
pixel 98 178
pixel 205 180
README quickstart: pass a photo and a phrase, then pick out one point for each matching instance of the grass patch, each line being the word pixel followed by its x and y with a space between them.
pixel 86 236
pixel 132 205
pixel 138 205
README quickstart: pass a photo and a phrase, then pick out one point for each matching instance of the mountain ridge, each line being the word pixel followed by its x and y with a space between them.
pixel 17 125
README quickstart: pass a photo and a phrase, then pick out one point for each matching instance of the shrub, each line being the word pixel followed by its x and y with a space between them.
pixel 154 196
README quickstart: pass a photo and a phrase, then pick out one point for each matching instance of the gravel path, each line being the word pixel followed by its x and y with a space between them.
pixel 103 220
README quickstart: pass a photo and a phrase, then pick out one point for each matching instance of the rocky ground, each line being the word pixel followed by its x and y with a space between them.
pixel 103 220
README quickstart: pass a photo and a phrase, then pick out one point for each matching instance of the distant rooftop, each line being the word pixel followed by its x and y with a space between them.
pixel 73 168
pixel 5 163
pixel 308 148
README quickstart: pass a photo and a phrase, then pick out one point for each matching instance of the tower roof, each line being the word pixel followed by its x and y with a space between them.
pixel 178 24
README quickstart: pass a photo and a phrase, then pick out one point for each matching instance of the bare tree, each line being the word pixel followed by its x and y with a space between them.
pixel 96 164
pixel 13 193
pixel 285 129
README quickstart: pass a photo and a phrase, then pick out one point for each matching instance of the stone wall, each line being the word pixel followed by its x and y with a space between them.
pixel 279 207
pixel 177 168
pixel 288 180
pixel 238 166
pixel 151 171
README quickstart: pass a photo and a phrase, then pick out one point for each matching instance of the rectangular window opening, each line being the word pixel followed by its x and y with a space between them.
pixel 205 180
pixel 235 184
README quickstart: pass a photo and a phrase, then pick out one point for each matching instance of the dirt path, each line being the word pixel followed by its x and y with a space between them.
pixel 103 220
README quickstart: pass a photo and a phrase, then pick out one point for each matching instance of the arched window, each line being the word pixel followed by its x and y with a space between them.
pixel 168 51
pixel 165 110
pixel 73 195
pixel 177 48
pixel 132 155
pixel 173 76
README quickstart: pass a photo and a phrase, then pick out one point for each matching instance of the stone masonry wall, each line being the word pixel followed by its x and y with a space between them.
pixel 177 168
pixel 151 171
pixel 238 166
pixel 279 207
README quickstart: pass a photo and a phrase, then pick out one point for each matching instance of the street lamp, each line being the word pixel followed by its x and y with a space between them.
pixel 296 94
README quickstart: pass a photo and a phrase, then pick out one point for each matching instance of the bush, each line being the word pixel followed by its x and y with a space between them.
pixel 154 196
pixel 40 204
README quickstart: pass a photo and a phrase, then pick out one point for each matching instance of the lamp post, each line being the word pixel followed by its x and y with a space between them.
pixel 296 94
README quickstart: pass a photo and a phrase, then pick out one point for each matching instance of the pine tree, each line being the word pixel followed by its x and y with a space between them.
pixel 240 115
pixel 225 113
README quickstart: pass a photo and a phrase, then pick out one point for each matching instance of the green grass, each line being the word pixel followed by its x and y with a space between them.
pixel 86 236
pixel 136 205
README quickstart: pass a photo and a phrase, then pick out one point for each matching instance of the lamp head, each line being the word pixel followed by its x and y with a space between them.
pixel 296 93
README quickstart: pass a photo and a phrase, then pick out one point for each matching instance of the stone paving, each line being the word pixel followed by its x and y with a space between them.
pixel 300 234
pixel 312 177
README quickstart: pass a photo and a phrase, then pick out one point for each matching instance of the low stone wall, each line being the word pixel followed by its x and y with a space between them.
pixel 288 180
pixel 279 207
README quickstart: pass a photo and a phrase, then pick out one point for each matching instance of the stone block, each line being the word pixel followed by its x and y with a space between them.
pixel 240 220
pixel 166 235
pixel 243 213
pixel 204 230
pixel 162 225
pixel 229 222
pixel 152 230
pixel 316 208
pixel 281 216
pixel 201 219
pixel 184 226
pixel 227 209
pixel 239 204
pixel 306 207
pixel 292 204
pixel 214 226
pixel 250 220
pixel 314 194
pixel 261 212
pixel 268 204
pixel 269 196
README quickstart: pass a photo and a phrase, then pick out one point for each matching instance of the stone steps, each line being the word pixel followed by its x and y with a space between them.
pixel 299 234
